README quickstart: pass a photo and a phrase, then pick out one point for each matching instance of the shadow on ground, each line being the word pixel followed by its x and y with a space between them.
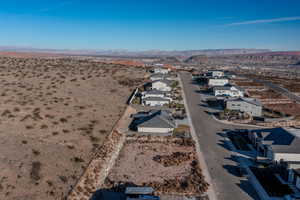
pixel 104 194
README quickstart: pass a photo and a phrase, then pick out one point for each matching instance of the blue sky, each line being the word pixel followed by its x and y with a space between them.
pixel 151 24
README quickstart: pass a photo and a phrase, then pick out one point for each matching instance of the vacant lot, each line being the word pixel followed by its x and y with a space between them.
pixel 288 108
pixel 169 166
pixel 53 114
pixel 266 94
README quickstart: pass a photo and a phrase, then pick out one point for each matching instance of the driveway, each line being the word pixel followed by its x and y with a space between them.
pixel 220 161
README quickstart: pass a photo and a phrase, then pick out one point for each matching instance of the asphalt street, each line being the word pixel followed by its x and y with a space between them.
pixel 222 165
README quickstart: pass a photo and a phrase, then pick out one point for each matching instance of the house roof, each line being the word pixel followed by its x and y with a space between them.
pixel 155 99
pixel 297 171
pixel 252 101
pixel 282 140
pixel 157 119
pixel 248 100
pixel 158 75
pixel 239 88
pixel 139 190
pixel 226 87
pixel 155 92
pixel 167 82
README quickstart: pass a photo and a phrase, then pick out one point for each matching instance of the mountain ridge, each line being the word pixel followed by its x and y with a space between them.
pixel 180 53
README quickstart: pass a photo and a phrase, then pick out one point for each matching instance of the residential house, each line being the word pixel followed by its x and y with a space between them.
pixel 140 193
pixel 155 77
pixel 217 81
pixel 155 101
pixel 161 71
pixel 155 98
pixel 215 73
pixel 162 85
pixel 281 147
pixel 277 144
pixel 250 106
pixel 229 91
pixel 154 121
pixel 155 93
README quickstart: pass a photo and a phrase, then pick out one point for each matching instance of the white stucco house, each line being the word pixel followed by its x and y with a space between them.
pixel 154 121
pixel 162 85
pixel 155 77
pixel 250 106
pixel 155 98
pixel 215 73
pixel 155 93
pixel 155 101
pixel 229 91
pixel 161 70
pixel 217 81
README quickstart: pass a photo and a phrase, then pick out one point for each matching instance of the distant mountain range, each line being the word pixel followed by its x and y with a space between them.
pixel 127 53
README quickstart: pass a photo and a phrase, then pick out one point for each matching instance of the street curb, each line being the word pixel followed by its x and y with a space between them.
pixel 237 124
pixel 211 191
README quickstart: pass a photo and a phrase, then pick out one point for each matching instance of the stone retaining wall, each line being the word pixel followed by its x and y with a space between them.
pixel 281 124
pixel 104 159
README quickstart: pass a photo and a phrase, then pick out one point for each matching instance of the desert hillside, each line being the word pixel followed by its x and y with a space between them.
pixel 53 114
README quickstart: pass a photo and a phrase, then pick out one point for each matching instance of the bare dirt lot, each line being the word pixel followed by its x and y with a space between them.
pixel 169 166
pixel 266 94
pixel 292 109
pixel 53 114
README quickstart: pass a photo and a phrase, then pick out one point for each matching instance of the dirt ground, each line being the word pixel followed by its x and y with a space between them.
pixel 289 108
pixel 167 166
pixel 53 114
pixel 267 94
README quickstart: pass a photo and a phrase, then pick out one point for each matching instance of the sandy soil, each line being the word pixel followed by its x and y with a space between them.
pixel 166 166
pixel 267 94
pixel 289 108
pixel 53 113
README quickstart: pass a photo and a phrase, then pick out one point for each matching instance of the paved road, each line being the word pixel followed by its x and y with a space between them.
pixel 221 166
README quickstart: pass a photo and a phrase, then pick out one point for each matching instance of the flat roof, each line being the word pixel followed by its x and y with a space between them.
pixel 139 190
pixel 155 99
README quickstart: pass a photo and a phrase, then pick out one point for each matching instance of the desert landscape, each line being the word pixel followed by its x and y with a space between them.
pixel 55 112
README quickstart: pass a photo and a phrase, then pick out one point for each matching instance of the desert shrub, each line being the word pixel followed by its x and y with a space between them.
pixel 94 138
pixel 50 183
pixel 29 127
pixel 55 133
pixel 64 179
pixel 102 131
pixel 65 131
pixel 63 120
pixel 35 170
pixel 44 126
pixel 77 159
pixel 35 152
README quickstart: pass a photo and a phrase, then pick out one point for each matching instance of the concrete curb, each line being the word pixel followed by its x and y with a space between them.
pixel 211 190
pixel 237 124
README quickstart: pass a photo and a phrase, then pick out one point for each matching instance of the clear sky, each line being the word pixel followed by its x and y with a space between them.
pixel 151 24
